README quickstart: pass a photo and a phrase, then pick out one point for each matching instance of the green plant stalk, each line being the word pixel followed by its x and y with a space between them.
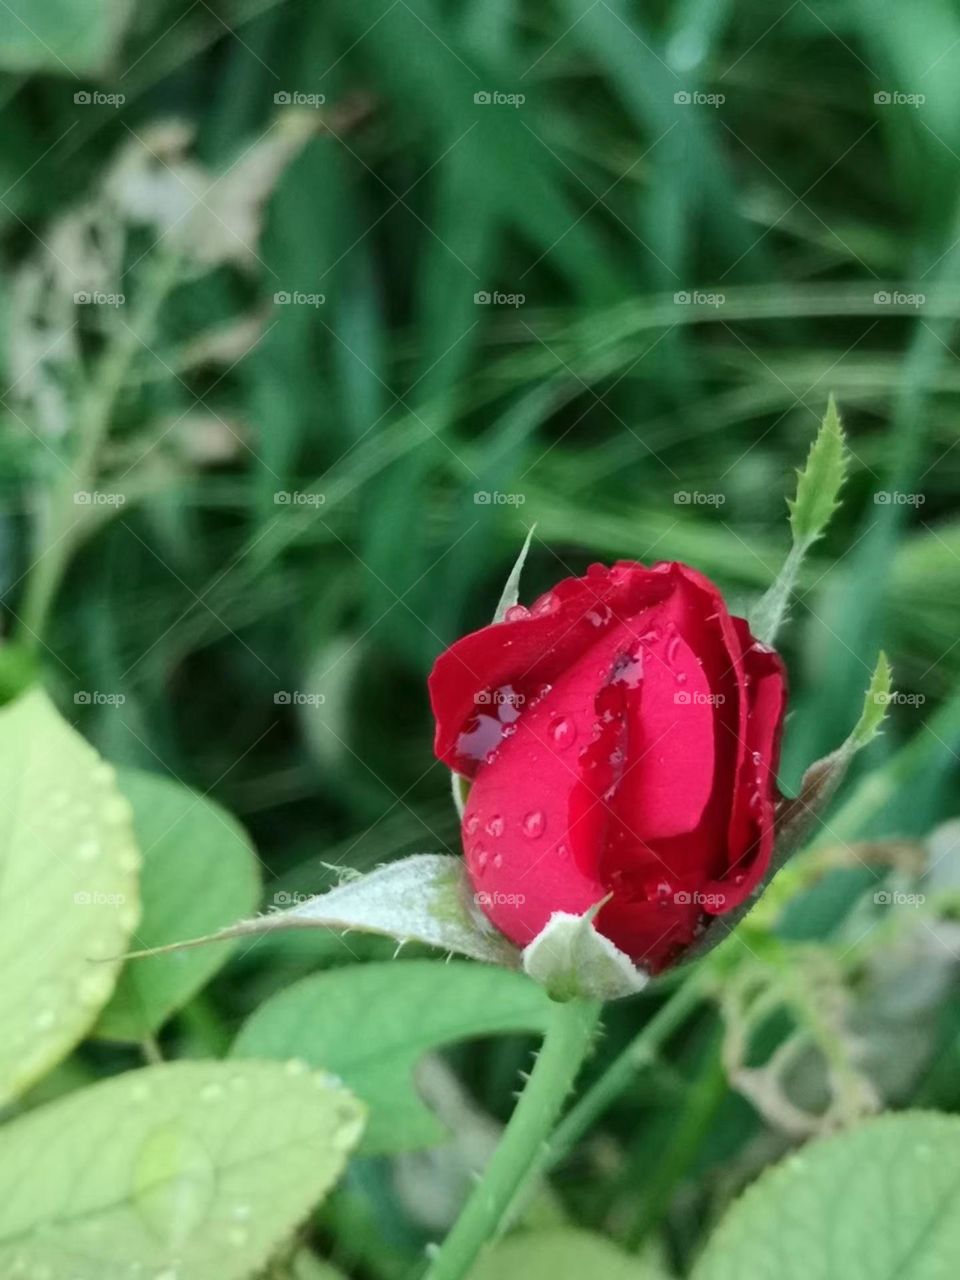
pixel 62 529
pixel 566 1043
pixel 641 1052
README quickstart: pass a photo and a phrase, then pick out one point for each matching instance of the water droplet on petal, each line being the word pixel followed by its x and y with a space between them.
pixel 471 824
pixel 516 613
pixel 533 824
pixel 563 731
pixel 495 826
pixel 497 861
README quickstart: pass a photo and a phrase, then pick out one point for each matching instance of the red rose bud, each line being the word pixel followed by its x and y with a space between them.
pixel 622 737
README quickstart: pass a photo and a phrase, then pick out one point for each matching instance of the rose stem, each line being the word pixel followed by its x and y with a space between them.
pixel 565 1045
pixel 639 1053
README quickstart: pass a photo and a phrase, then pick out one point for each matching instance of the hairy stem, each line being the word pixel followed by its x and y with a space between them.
pixel 568 1038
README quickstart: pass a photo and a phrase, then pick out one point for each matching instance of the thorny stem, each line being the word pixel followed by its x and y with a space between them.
pixel 565 1045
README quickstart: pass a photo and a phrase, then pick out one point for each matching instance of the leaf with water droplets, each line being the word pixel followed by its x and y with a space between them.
pixel 396 1013
pixel 878 1201
pixel 187 1171
pixel 69 900
pixel 199 873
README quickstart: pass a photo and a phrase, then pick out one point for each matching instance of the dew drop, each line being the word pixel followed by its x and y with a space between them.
pixel 45 1019
pixel 516 613
pixel 87 850
pixel 563 731
pixel 546 604
pixel 94 987
pixel 481 858
pixel 117 810
pixel 533 824
pixel 497 861
pixel 471 824
pixel 495 826
pixel 757 759
pixel 563 851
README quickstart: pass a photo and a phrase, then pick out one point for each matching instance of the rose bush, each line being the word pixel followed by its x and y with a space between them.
pixel 622 738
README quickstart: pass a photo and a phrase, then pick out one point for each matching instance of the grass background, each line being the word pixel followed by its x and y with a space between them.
pixel 783 200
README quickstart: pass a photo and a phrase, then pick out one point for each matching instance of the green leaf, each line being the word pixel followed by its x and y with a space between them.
pixel 818 486
pixel 875 705
pixel 511 591
pixel 188 1170
pixel 562 1254
pixel 200 872
pixel 879 1202
pixel 59 35
pixel 371 1024
pixel 424 898
pixel 70 898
